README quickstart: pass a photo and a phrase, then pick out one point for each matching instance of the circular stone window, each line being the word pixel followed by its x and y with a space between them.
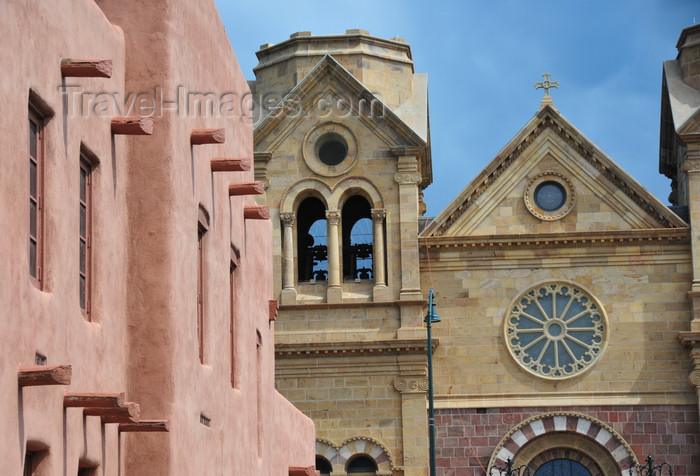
pixel 556 330
pixel 549 196
pixel 330 149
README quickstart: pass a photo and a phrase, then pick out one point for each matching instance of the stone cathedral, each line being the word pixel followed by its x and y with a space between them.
pixel 569 339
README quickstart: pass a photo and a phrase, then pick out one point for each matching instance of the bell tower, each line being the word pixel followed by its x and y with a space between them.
pixel 342 144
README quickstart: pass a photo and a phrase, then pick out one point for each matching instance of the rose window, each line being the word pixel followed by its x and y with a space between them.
pixel 556 330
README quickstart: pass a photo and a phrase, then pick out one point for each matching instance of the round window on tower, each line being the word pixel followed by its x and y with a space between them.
pixel 331 148
pixel 549 196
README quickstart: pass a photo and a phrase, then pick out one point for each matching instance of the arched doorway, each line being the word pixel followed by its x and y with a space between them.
pixel 362 465
pixel 323 466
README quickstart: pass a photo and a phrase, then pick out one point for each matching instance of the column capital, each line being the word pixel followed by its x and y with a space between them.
pixel 333 217
pixel 691 164
pixel 288 218
pixel 378 214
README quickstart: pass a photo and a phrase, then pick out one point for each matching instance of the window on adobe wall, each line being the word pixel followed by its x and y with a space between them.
pixel 87 165
pixel 33 458
pixel 202 227
pixel 362 465
pixel 232 314
pixel 312 241
pixel 87 470
pixel 357 239
pixel 323 466
pixel 36 195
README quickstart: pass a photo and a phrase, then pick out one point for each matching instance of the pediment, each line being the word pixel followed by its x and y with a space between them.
pixel 601 197
pixel 331 94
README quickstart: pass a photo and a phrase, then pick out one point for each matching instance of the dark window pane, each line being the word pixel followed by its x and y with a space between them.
pixel 83 255
pixel 83 184
pixel 32 179
pixel 82 292
pixel 32 218
pixel 32 138
pixel 83 220
pixel 32 258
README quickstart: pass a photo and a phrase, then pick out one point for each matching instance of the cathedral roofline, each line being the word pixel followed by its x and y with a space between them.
pixel 353 42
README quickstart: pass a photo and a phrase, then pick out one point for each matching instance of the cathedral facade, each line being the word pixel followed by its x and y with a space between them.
pixel 568 339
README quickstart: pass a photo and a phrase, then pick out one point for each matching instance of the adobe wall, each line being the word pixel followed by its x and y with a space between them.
pixel 183 47
pixel 149 191
pixel 49 320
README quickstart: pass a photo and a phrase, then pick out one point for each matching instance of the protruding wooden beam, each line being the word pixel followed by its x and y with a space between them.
pixel 273 307
pixel 225 164
pixel 132 125
pixel 256 212
pixel 94 400
pixel 246 188
pixel 207 136
pixel 145 426
pixel 127 413
pixel 44 375
pixel 82 68
pixel 302 471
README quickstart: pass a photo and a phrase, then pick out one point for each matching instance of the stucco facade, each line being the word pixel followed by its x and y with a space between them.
pixel 146 301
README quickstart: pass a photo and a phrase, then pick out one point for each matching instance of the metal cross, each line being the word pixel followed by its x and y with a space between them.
pixel 546 84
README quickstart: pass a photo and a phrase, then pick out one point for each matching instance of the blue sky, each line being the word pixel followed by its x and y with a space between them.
pixel 483 58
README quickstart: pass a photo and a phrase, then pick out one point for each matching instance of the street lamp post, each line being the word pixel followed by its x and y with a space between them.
pixel 429 319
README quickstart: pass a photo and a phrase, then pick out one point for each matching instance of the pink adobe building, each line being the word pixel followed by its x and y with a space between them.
pixel 137 322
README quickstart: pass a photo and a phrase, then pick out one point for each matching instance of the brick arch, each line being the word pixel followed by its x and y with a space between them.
pixel 537 438
pixel 367 446
pixel 566 453
pixel 338 455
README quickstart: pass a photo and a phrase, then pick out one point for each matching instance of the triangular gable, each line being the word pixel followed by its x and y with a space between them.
pixel 607 197
pixel 328 77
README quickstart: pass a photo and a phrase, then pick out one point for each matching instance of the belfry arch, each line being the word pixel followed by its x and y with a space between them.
pixel 353 246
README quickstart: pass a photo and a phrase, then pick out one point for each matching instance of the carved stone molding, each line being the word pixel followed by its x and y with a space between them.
pixel 691 165
pixel 378 214
pixel 411 384
pixel 408 177
pixel 333 217
pixel 694 378
pixel 288 218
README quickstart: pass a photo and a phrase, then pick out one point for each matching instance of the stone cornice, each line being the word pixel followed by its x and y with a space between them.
pixel 351 305
pixel 353 349
pixel 559 240
pixel 689 339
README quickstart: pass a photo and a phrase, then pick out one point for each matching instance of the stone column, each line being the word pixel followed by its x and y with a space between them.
pixel 411 298
pixel 289 292
pixel 691 339
pixel 691 167
pixel 380 292
pixel 335 291
pixel 412 383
